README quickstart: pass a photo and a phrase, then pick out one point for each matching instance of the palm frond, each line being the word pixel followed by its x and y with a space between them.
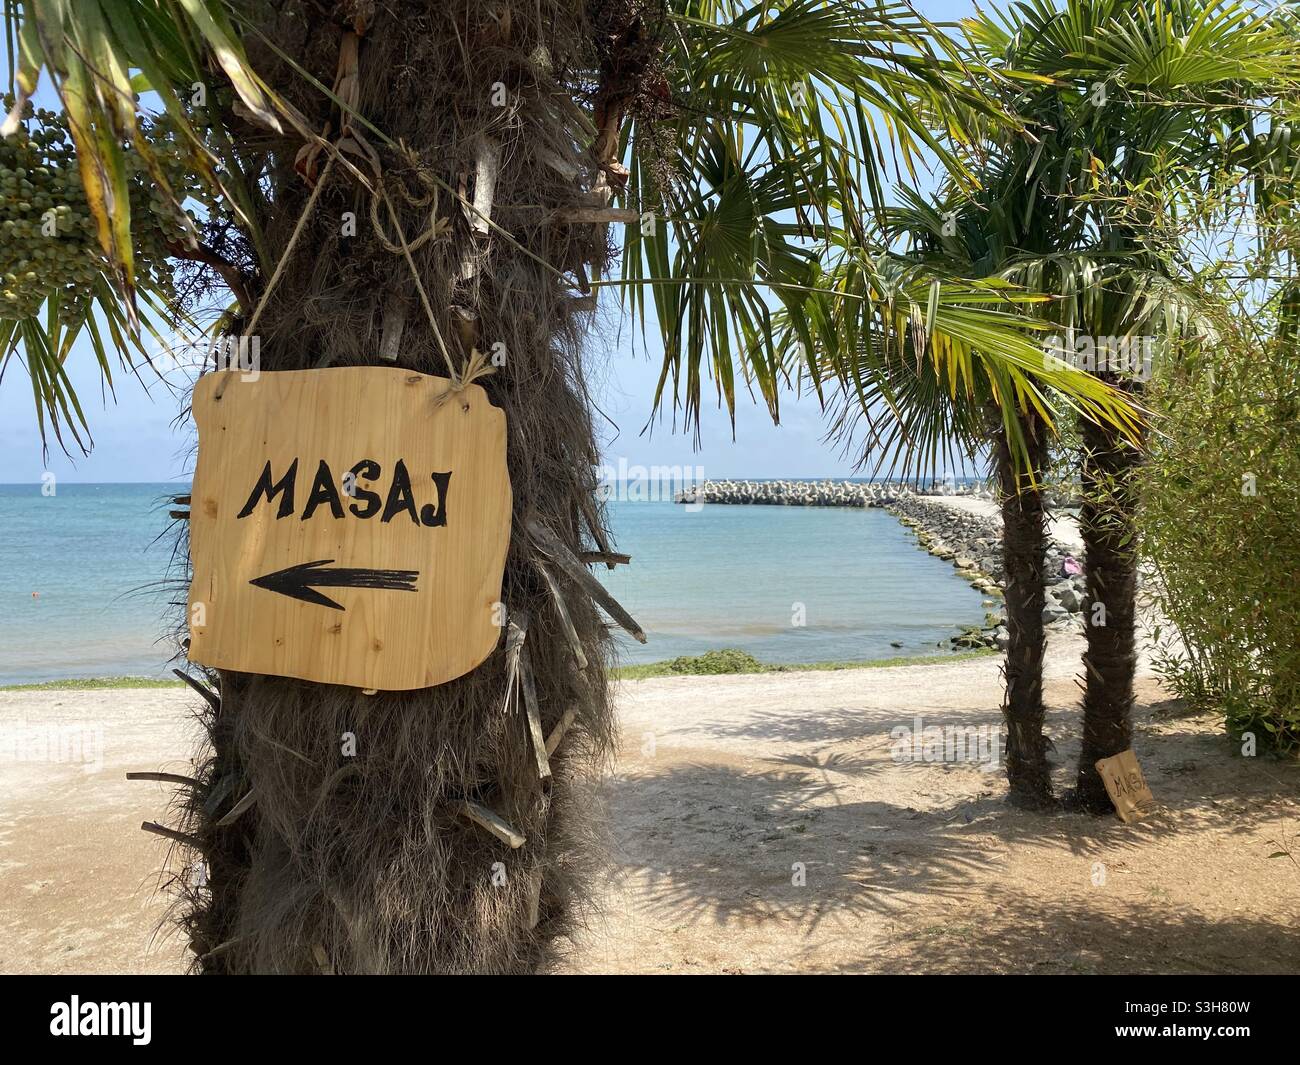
pixel 785 118
pixel 98 56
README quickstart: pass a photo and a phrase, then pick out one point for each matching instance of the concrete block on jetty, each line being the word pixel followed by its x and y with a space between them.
pixel 826 493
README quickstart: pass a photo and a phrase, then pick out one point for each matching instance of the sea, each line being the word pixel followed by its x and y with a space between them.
pixel 85 590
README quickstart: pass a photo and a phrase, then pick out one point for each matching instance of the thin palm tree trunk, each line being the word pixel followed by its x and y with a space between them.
pixel 1106 521
pixel 1024 550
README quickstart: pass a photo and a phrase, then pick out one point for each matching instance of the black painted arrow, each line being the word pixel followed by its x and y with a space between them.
pixel 302 580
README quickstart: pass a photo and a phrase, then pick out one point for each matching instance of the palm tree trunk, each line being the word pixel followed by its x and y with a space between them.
pixel 1106 520
pixel 1024 550
pixel 366 861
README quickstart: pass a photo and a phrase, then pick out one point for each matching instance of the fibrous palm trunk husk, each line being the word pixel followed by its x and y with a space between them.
pixel 1106 522
pixel 365 862
pixel 1024 551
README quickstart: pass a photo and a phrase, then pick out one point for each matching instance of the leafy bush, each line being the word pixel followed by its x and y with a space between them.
pixel 1220 527
pixel 728 660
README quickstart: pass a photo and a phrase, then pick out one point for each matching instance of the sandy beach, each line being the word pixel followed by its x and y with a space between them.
pixel 923 867
pixel 759 823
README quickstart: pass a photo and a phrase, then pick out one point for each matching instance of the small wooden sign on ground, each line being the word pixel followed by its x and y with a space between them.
pixel 1126 786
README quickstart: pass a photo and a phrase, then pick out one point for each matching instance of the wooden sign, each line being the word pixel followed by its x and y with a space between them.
pixel 1126 786
pixel 347 526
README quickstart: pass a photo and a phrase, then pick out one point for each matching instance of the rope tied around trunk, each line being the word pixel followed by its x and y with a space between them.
pixel 477 365
pixel 352 140
pixel 437 227
pixel 288 249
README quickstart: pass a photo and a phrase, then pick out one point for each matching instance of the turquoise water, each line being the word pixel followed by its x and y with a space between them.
pixel 787 584
pixel 79 581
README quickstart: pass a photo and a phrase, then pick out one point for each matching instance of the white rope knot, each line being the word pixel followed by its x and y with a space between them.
pixel 477 367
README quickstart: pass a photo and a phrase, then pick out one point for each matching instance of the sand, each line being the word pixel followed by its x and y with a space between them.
pixel 758 824
pixel 78 879
pixel 923 867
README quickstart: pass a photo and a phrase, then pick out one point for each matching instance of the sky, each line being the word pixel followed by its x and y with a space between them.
pixel 138 438
pixel 137 435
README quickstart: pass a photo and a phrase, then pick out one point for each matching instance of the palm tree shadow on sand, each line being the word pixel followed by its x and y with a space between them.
pixel 704 857
pixel 822 837
pixel 1028 934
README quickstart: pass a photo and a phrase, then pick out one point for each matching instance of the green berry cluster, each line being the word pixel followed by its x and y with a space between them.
pixel 48 242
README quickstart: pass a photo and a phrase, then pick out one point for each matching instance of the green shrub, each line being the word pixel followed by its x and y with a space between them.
pixel 1220 528
pixel 728 660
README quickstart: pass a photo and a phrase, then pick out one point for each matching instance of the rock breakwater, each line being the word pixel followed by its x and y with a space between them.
pixel 792 493
pixel 971 541
pixel 973 544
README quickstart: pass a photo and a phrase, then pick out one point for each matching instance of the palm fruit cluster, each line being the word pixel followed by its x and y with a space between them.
pixel 48 242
